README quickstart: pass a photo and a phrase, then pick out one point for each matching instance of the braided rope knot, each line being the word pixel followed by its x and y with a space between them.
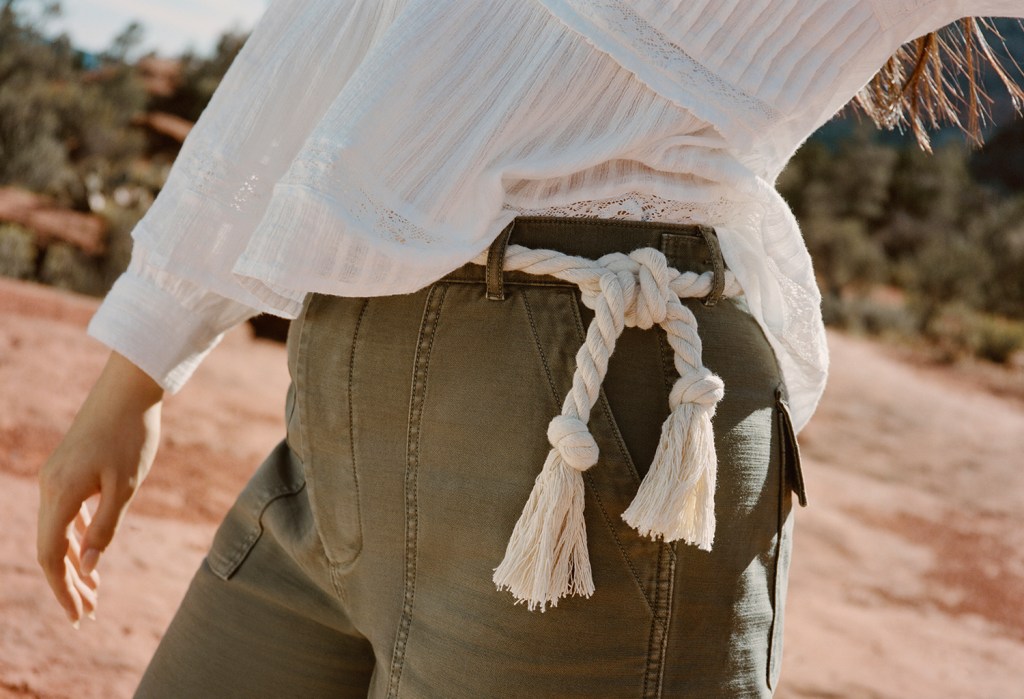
pixel 573 441
pixel 700 387
pixel 546 557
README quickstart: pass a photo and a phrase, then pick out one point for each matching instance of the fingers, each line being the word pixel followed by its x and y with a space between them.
pixel 92 579
pixel 99 532
pixel 107 451
pixel 83 518
pixel 85 585
pixel 57 510
pixel 87 594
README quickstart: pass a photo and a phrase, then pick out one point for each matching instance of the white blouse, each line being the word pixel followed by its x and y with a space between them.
pixel 369 147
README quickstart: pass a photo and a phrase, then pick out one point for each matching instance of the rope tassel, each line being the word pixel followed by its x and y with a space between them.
pixel 546 558
pixel 676 498
pixel 547 555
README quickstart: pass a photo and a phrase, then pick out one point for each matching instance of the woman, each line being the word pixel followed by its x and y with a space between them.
pixel 477 212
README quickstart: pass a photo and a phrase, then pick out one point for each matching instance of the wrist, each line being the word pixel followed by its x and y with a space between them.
pixel 125 384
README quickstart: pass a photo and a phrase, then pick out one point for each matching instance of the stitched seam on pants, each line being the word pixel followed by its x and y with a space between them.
pixel 658 640
pixel 670 587
pixel 540 349
pixel 351 426
pixel 300 407
pixel 665 581
pixel 302 379
pixel 589 479
pixel 652 636
pixel 782 466
pixel 424 345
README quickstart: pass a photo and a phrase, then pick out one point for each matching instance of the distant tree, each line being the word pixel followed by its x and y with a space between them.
pixel 59 123
pixel 844 254
pixel 125 42
pixel 200 77
pixel 949 268
pixel 930 186
pixel 861 174
pixel 1001 162
pixel 805 182
pixel 1002 236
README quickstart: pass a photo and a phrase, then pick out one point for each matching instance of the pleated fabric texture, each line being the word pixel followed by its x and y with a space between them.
pixel 368 147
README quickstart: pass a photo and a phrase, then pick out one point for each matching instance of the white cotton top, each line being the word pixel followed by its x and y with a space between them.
pixel 369 147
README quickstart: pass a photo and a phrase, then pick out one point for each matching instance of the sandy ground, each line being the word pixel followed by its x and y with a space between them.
pixel 908 573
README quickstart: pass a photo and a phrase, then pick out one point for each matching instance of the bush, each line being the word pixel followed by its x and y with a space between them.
pixel 998 339
pixel 68 268
pixel 957 331
pixel 18 252
pixel 863 314
pixel 843 253
pixel 120 223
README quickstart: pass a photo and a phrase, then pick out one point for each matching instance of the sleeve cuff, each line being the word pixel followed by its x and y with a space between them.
pixel 153 330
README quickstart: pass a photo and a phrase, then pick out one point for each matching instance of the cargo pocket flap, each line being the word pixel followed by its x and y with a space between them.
pixel 794 470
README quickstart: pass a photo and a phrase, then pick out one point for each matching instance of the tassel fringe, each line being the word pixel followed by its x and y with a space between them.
pixel 547 557
pixel 676 498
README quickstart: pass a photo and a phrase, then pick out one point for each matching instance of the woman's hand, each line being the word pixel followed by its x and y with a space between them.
pixel 108 449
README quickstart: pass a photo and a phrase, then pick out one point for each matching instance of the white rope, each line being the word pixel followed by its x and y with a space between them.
pixel 547 557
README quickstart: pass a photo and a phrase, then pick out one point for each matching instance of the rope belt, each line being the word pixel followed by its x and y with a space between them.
pixel 547 557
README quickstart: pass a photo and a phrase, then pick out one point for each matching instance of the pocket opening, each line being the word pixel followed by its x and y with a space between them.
pixel 242 527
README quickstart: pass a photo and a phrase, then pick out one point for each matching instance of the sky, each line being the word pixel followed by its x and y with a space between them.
pixel 170 26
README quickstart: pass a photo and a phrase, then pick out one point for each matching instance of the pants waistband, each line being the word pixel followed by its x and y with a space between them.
pixel 686 247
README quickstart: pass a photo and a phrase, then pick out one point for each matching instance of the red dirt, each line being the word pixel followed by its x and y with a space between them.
pixel 907 575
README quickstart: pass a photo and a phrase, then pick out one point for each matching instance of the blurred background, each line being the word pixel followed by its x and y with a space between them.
pixel 909 563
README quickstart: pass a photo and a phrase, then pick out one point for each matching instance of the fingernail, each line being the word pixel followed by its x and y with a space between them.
pixel 89 560
pixel 92 615
pixel 75 623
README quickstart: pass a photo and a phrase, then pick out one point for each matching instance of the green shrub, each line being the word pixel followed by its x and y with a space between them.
pixel 863 314
pixel 69 268
pixel 998 339
pixel 118 252
pixel 844 254
pixel 957 331
pixel 18 252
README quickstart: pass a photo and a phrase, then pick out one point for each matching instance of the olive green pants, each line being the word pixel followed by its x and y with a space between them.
pixel 358 560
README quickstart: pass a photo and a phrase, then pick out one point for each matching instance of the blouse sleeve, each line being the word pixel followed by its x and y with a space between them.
pixel 367 148
pixel 166 316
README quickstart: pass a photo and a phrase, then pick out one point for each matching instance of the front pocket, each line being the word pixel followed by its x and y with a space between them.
pixel 324 367
pixel 278 476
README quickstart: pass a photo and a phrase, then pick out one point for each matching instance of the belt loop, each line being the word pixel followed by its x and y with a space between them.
pixel 718 262
pixel 494 274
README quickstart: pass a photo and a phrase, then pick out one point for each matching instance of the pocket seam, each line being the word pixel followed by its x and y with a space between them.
pixel 308 458
pixel 224 565
pixel 351 430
